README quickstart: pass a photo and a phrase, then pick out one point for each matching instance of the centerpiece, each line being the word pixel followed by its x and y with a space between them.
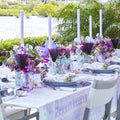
pixel 24 62
pixel 87 47
pixel 104 49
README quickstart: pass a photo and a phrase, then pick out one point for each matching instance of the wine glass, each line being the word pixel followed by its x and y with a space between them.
pixel 88 47
pixel 115 43
pixel 21 61
pixel 54 52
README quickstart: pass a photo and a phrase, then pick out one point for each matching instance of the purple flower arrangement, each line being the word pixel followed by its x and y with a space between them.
pixel 23 60
pixel 64 52
pixel 12 65
pixel 105 48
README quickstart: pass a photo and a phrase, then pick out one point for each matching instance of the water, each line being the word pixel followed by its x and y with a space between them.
pixel 34 26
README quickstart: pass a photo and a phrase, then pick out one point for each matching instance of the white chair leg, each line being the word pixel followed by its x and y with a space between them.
pixel 118 109
pixel 107 110
pixel 86 114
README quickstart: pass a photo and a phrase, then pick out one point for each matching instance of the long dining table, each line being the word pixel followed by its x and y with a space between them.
pixel 64 104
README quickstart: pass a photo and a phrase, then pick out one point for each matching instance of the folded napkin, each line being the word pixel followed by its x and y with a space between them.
pixel 113 67
pixel 79 78
pixel 115 59
pixel 95 65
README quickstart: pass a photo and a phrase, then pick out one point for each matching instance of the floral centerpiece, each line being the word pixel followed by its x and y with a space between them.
pixel 104 49
pixel 87 49
pixel 25 61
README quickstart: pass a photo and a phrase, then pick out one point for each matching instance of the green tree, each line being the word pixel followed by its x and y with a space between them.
pixel 68 28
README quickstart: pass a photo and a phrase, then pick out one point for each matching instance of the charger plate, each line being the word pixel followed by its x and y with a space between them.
pixel 114 63
pixel 67 84
pixel 98 71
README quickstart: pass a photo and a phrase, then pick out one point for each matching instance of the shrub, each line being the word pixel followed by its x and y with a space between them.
pixel 4 5
pixel 13 2
pixel 7 45
pixel 48 10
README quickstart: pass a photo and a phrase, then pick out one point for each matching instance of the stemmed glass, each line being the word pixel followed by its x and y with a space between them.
pixel 115 43
pixel 54 52
pixel 21 61
pixel 88 47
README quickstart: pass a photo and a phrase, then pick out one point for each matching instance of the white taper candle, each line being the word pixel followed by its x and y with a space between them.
pixel 90 26
pixel 49 28
pixel 78 24
pixel 22 27
pixel 100 23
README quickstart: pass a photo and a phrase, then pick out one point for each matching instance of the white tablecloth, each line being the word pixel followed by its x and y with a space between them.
pixel 61 105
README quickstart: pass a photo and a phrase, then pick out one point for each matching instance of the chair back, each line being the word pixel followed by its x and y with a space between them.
pixel 2 111
pixel 101 91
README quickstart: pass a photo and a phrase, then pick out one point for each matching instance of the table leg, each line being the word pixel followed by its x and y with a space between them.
pixel 38 110
pixel 107 110
pixel 118 109
pixel 28 111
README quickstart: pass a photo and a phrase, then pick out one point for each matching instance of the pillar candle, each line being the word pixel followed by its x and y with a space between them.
pixel 100 23
pixel 22 27
pixel 78 24
pixel 90 26
pixel 49 28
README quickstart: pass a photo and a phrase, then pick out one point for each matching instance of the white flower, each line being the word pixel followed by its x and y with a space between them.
pixel 15 47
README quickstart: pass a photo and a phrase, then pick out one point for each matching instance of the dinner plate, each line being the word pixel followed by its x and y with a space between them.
pixel 98 71
pixel 67 84
pixel 114 63
pixel 103 71
pixel 60 84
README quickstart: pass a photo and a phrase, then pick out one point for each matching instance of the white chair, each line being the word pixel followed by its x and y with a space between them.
pixel 3 115
pixel 101 93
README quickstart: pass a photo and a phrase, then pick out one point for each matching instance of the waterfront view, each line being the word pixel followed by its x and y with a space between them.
pixel 34 26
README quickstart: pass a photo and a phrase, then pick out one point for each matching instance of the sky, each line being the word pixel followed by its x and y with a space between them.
pixel 103 0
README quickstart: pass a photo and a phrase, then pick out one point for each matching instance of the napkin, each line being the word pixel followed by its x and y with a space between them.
pixel 95 65
pixel 112 67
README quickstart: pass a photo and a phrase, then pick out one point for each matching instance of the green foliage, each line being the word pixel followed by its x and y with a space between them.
pixel 28 8
pixel 68 28
pixel 34 41
pixel 48 10
pixel 33 8
pixel 2 58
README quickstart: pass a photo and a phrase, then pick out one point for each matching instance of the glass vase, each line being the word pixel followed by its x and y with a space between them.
pixel 37 80
pixel 27 79
pixel 85 58
pixel 18 81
